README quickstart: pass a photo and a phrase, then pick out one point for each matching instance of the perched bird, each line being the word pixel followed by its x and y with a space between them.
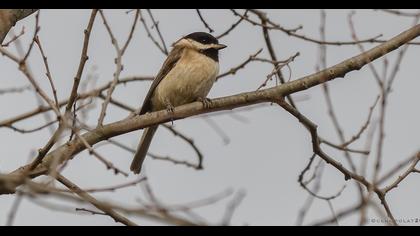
pixel 187 75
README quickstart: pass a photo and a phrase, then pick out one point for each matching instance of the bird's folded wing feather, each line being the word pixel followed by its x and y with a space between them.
pixel 167 66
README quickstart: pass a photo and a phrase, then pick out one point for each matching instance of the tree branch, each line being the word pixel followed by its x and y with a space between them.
pixel 273 94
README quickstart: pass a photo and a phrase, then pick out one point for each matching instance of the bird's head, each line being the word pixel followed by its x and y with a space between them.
pixel 199 41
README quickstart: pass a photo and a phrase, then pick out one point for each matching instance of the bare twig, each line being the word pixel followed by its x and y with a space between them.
pixel 83 59
pixel 87 197
pixel 292 32
pixel 108 164
pixel 14 209
pixel 232 206
pixel 15 90
pixel 204 21
pixel 278 66
pixel 364 126
pixel 233 70
pixel 47 68
pixel 400 13
pixel 25 131
pixel 14 38
pixel 162 47
pixel 118 62
pixel 232 27
pixel 92 93
pixel 156 26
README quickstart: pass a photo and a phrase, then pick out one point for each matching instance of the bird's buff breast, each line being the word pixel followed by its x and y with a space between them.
pixel 191 78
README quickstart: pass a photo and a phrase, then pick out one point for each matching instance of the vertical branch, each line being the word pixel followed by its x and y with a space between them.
pixel 331 111
pixel 272 53
pixel 83 58
pixel 118 62
pixel 47 68
pixel 156 26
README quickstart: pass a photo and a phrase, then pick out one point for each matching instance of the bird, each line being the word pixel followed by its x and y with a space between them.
pixel 187 75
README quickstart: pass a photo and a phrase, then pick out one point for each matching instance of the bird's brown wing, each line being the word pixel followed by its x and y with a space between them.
pixel 167 66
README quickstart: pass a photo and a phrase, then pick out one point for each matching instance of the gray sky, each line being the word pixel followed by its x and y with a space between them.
pixel 264 155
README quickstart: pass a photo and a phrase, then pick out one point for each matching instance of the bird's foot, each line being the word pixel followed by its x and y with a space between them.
pixel 206 102
pixel 170 109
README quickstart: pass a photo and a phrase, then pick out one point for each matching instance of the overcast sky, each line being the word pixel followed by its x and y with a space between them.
pixel 265 151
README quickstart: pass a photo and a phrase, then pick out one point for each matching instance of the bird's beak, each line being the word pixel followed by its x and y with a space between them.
pixel 219 46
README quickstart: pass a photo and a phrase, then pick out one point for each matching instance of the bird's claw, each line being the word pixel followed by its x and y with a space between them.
pixel 206 102
pixel 170 109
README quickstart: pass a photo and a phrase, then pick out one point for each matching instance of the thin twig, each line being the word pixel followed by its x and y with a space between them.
pixel 14 38
pixel 204 21
pixel 13 211
pixel 87 197
pixel 47 68
pixel 162 47
pixel 108 164
pixel 15 90
pixel 118 62
pixel 235 69
pixel 83 59
pixel 232 206
pixel 231 28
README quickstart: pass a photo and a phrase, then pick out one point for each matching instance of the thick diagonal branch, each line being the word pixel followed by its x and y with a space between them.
pixel 273 94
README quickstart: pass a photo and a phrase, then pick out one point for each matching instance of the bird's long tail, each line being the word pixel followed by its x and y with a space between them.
pixel 142 148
